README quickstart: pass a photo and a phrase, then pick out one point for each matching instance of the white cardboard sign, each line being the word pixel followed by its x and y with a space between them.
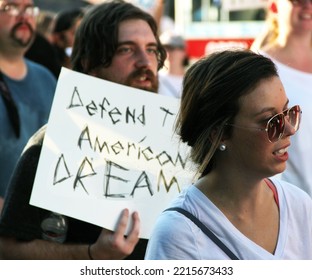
pixel 108 147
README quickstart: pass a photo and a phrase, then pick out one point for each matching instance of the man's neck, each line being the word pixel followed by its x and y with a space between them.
pixel 13 66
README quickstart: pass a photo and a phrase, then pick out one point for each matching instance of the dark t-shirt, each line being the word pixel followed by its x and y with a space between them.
pixel 21 220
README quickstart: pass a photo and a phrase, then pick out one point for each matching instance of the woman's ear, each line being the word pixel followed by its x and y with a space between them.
pixel 217 135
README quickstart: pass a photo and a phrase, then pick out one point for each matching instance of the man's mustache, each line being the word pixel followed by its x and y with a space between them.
pixel 21 23
pixel 142 72
pixel 15 29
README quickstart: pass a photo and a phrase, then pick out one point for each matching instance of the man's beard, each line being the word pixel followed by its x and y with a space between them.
pixel 150 76
pixel 20 42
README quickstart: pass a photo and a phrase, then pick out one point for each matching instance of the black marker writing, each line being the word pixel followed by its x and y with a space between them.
pixel 128 149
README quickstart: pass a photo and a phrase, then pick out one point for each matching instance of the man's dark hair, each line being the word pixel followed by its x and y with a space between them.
pixel 96 39
pixel 66 19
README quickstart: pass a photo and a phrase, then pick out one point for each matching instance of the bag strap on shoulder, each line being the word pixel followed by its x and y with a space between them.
pixel 206 230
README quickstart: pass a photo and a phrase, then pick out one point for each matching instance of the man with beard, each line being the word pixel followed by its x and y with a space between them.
pixel 115 41
pixel 26 88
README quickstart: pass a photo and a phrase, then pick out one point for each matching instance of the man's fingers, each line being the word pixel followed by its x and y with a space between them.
pixel 114 245
pixel 122 224
pixel 133 237
pixel 131 240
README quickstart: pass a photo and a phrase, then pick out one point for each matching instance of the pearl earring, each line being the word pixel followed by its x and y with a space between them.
pixel 222 147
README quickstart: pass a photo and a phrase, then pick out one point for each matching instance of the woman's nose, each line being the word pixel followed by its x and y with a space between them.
pixel 289 129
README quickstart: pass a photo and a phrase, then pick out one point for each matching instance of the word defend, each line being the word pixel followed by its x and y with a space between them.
pixel 108 147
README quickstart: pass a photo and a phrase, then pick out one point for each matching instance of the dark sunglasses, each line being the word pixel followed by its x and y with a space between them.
pixel 300 2
pixel 275 126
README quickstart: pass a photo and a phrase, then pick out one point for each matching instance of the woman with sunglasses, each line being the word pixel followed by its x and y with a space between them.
pixel 235 116
pixel 289 44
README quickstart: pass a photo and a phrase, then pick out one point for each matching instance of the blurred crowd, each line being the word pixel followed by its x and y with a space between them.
pixel 34 46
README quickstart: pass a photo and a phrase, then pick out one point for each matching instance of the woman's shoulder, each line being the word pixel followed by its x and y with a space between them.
pixel 171 235
pixel 171 215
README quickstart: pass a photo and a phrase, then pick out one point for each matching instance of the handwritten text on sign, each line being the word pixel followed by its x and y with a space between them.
pixel 108 147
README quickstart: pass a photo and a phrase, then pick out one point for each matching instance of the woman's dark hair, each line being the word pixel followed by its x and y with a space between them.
pixel 212 87
pixel 96 39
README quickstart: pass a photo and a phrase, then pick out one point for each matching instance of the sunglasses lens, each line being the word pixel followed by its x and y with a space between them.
pixel 276 127
pixel 294 117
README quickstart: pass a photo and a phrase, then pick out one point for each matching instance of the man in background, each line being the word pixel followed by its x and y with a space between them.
pixel 26 88
pixel 129 52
